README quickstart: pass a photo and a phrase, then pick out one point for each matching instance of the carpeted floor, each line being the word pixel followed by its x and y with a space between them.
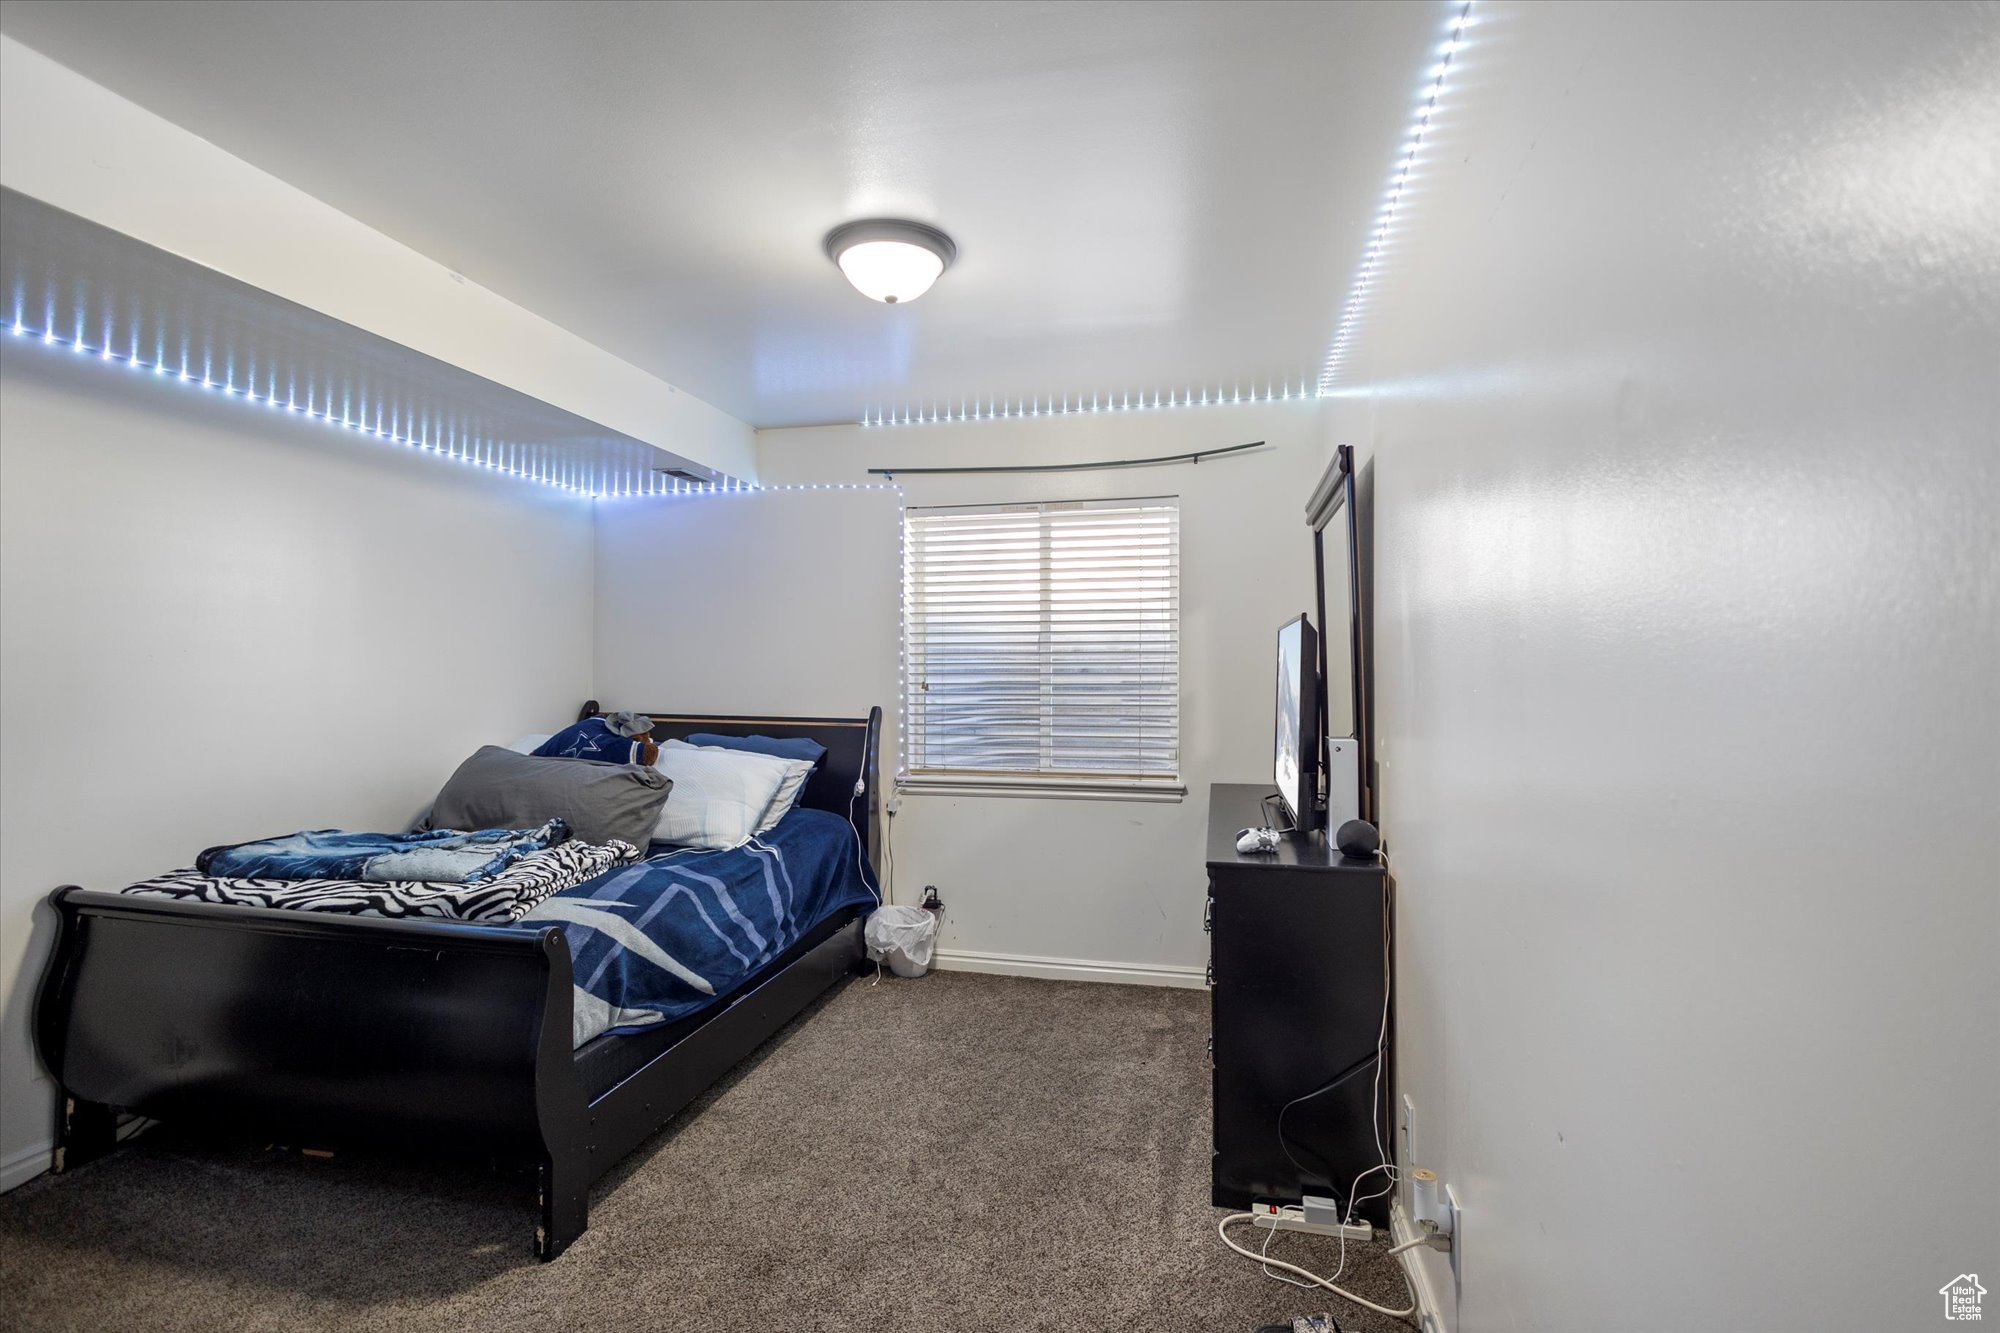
pixel 957 1153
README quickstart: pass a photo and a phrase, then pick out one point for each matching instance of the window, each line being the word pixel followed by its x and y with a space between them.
pixel 1042 646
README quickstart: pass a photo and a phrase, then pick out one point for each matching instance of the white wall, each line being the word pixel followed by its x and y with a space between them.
pixel 769 602
pixel 217 624
pixel 1684 404
pixel 1057 886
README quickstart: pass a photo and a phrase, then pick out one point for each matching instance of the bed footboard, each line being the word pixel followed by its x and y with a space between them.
pixel 316 1030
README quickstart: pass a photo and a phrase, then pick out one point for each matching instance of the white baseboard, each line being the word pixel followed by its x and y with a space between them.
pixel 24 1164
pixel 1070 969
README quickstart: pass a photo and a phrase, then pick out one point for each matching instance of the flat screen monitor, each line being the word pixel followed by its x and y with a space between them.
pixel 1295 750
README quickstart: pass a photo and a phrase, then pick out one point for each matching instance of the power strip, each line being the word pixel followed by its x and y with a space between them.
pixel 1291 1217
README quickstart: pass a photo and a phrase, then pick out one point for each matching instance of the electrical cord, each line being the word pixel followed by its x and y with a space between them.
pixel 860 863
pixel 1312 1278
pixel 1387 1167
pixel 889 853
pixel 860 857
pixel 860 848
pixel 684 851
pixel 1264 807
pixel 1354 1186
pixel 1264 1255
pixel 1284 1140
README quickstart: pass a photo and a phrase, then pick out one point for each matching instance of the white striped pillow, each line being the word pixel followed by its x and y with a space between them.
pixel 787 796
pixel 719 796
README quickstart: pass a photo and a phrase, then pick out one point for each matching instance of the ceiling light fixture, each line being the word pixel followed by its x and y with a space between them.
pixel 890 260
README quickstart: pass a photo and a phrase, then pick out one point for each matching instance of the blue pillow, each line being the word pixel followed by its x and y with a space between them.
pixel 592 738
pixel 797 747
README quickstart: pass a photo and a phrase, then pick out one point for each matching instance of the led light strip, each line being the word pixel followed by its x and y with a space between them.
pixel 308 409
pixel 1364 279
pixel 745 488
pixel 994 409
pixel 655 486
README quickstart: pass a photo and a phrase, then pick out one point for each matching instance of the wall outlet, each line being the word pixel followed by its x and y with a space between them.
pixel 1436 1309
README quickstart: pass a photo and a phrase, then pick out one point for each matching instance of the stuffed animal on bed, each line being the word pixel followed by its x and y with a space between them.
pixel 615 738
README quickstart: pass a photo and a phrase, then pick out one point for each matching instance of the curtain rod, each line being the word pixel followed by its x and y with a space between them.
pixel 1194 457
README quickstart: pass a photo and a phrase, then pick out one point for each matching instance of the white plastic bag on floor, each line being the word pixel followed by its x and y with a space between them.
pixel 901 937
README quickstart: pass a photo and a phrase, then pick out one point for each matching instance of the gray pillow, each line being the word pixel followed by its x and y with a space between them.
pixel 499 788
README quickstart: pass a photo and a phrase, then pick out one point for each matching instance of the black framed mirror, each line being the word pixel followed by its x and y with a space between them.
pixel 1344 491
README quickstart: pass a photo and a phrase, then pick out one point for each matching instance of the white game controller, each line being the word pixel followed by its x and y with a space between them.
pixel 1258 840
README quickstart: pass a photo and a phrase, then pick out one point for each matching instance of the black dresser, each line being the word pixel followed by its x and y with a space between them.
pixel 1298 980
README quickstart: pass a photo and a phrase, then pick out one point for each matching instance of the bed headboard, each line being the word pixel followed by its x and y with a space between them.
pixel 851 756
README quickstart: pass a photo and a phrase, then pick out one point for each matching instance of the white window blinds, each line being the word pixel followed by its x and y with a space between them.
pixel 1043 640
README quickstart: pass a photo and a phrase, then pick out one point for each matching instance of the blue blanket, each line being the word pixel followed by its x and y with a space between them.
pixel 440 856
pixel 654 941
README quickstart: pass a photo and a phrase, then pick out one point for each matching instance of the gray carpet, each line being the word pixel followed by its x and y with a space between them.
pixel 956 1153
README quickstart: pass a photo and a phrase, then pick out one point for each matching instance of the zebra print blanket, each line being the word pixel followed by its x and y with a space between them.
pixel 503 899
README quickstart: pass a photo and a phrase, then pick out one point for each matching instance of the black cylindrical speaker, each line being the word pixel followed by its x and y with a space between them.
pixel 1357 838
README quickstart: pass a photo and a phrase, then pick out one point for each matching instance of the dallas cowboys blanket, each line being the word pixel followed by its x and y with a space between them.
pixel 436 856
pixel 657 940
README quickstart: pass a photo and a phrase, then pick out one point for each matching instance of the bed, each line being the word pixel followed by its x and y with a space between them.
pixel 326 1030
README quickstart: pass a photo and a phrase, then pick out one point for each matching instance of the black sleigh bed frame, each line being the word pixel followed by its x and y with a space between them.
pixel 322 1030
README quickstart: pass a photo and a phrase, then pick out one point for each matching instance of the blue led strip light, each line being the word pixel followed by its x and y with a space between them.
pixel 1378 240
pixel 655 485
pixel 670 490
pixel 309 409
pixel 1007 409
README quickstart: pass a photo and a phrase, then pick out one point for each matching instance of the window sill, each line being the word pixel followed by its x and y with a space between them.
pixel 1044 788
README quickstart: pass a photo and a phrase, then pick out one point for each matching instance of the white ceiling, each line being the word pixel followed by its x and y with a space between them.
pixel 1146 197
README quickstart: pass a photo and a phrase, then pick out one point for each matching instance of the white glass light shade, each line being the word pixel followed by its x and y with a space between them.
pixel 891 271
pixel 889 260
